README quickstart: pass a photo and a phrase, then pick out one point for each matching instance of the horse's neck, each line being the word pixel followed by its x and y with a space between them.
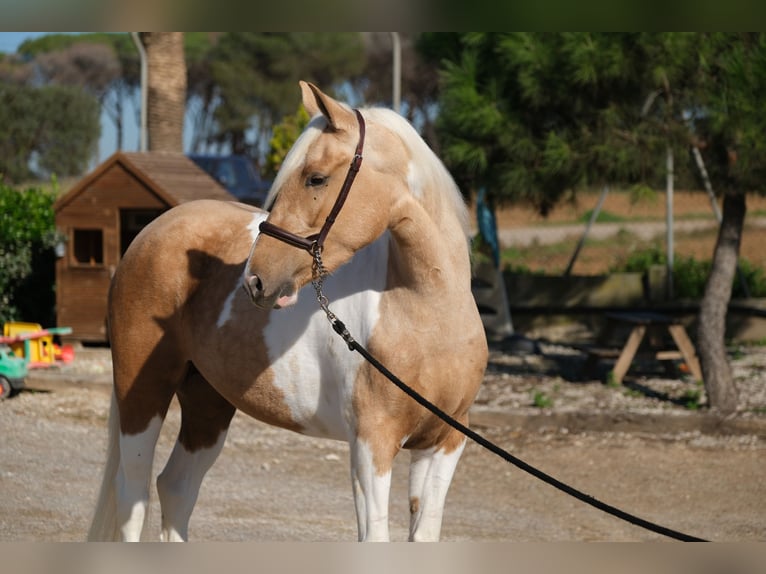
pixel 424 256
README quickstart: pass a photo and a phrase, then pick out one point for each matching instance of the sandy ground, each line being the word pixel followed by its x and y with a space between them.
pixel 634 447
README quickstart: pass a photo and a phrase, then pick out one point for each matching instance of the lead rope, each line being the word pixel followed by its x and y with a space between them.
pixel 319 273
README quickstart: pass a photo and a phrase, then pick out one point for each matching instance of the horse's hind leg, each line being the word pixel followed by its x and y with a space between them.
pixel 431 472
pixel 132 481
pixel 205 418
pixel 145 377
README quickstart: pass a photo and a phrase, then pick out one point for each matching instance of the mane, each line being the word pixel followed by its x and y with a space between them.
pixel 430 181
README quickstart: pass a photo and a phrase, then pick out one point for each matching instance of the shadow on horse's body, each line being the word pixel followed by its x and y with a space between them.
pixel 182 324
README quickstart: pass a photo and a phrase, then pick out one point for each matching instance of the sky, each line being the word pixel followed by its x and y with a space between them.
pixel 10 41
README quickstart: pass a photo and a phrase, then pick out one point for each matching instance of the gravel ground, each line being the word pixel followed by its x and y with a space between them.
pixel 635 446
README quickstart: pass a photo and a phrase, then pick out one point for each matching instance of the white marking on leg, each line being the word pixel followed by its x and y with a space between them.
pixel 136 457
pixel 178 487
pixel 431 474
pixel 371 491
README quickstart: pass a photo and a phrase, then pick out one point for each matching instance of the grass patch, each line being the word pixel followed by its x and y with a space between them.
pixel 541 401
pixel 692 397
pixel 604 216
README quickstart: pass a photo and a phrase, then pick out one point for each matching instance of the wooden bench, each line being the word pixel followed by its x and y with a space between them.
pixel 639 324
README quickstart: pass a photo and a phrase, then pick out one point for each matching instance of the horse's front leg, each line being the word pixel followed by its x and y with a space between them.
pixel 431 472
pixel 371 491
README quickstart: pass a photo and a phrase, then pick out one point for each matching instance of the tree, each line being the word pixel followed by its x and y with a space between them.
pixel 201 90
pixel 104 65
pixel 166 99
pixel 14 70
pixel 254 78
pixel 533 117
pixel 46 130
pixel 731 125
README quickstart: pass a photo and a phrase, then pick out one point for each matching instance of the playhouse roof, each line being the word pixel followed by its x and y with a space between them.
pixel 173 177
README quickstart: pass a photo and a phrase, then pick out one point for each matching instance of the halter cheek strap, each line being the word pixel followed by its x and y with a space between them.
pixel 314 243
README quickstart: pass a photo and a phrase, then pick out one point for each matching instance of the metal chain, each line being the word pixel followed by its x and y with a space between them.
pixel 318 273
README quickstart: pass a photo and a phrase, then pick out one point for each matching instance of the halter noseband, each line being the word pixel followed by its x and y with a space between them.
pixel 314 243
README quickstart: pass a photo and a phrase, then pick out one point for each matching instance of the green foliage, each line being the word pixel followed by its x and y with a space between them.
pixel 256 75
pixel 692 398
pixel 56 42
pixel 284 135
pixel 755 278
pixel 532 115
pixel 690 275
pixel 55 127
pixel 541 401
pixel 239 83
pixel 731 120
pixel 641 193
pixel 640 261
pixel 27 235
pixel 120 42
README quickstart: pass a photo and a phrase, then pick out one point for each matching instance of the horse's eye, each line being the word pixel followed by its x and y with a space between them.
pixel 316 180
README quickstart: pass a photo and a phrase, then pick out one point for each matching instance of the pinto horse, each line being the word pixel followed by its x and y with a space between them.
pixel 395 265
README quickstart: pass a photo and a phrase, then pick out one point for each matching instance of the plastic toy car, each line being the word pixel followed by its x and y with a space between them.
pixel 13 372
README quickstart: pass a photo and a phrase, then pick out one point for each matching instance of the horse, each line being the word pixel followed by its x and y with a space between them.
pixel 212 303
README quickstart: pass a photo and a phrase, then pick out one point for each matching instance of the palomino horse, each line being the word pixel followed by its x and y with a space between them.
pixel 398 272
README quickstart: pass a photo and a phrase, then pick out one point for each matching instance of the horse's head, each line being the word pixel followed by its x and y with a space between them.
pixel 320 199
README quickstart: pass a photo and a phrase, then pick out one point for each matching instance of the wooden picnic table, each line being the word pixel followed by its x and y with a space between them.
pixel 639 324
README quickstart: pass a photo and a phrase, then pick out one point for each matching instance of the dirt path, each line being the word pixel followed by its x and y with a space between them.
pixel 265 485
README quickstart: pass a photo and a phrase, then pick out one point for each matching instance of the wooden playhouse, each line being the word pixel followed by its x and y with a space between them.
pixel 101 215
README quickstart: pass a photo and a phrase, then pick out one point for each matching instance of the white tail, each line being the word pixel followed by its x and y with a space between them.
pixel 104 525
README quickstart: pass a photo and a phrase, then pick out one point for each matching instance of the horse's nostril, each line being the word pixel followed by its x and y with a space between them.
pixel 253 285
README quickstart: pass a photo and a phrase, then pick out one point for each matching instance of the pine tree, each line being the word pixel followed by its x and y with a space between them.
pixel 536 116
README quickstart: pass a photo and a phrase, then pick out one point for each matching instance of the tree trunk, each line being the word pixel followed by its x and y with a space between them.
pixel 719 383
pixel 166 95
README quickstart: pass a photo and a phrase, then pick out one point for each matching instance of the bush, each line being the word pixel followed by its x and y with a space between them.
pixel 690 275
pixel 27 237
pixel 640 261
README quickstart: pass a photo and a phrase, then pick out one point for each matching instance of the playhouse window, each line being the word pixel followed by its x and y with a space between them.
pixel 89 247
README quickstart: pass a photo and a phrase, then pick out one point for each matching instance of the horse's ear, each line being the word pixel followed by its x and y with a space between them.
pixel 317 102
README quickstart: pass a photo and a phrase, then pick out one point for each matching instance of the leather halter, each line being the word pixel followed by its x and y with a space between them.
pixel 314 243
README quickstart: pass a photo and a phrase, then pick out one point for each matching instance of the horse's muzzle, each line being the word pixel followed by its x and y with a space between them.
pixel 282 297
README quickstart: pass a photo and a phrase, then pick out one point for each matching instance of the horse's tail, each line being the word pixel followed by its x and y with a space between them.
pixel 104 524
